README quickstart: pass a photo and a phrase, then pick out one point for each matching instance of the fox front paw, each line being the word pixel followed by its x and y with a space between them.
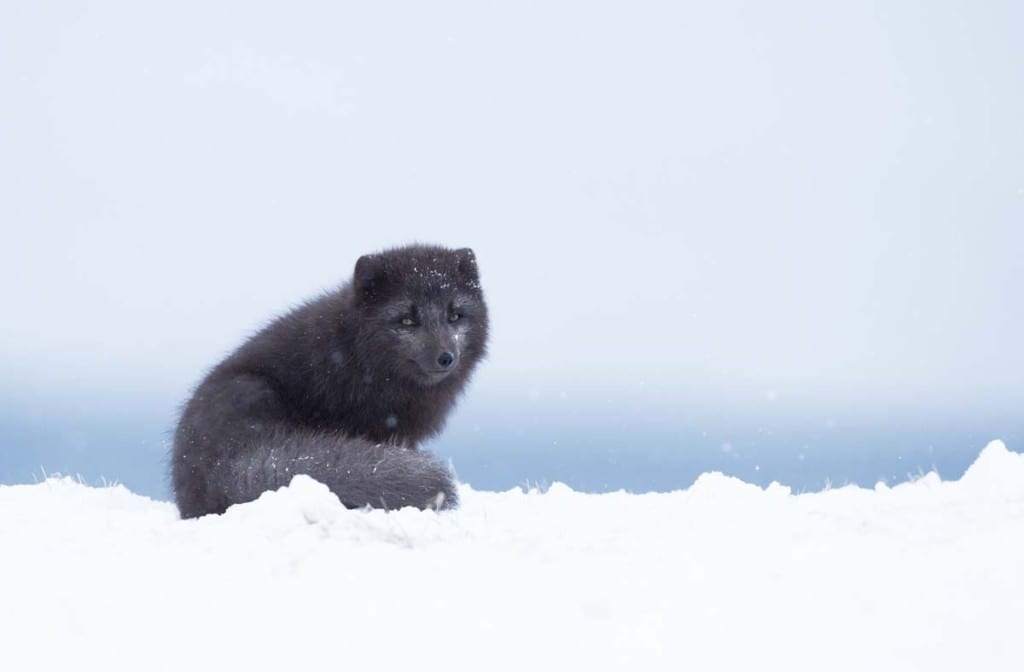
pixel 436 503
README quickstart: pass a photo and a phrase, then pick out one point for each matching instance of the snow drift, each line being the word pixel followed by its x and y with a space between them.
pixel 723 575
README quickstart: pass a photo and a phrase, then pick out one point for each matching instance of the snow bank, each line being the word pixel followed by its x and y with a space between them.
pixel 724 575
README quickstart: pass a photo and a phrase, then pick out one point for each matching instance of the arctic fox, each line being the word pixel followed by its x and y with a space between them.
pixel 342 389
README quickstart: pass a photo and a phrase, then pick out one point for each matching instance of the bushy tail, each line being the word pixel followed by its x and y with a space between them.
pixel 360 472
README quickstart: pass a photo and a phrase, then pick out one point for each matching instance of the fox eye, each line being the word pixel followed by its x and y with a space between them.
pixel 455 317
pixel 408 322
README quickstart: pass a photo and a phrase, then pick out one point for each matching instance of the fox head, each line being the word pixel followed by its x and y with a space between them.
pixel 422 313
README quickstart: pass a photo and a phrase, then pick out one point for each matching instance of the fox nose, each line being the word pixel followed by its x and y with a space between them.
pixel 445 360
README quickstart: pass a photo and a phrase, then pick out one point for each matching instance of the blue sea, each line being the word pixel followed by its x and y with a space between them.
pixel 592 448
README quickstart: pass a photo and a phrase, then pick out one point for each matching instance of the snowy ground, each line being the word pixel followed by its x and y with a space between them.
pixel 724 575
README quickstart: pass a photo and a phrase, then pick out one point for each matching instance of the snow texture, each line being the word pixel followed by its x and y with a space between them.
pixel 926 575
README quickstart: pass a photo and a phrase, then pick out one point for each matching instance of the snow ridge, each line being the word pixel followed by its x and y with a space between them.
pixel 722 575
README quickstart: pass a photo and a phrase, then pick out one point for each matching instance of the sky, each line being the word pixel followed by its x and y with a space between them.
pixel 793 208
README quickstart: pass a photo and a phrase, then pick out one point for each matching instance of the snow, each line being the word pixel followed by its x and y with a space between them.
pixel 724 575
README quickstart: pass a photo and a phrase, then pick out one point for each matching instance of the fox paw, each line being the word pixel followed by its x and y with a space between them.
pixel 436 502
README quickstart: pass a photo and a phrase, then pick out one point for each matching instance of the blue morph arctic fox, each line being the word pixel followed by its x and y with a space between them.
pixel 343 389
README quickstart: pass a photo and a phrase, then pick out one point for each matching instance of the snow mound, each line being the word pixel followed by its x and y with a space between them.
pixel 997 472
pixel 722 575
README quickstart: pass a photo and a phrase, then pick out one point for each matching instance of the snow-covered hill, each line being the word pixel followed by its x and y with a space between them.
pixel 724 575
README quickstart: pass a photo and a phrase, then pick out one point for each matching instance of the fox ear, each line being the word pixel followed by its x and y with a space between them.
pixel 370 277
pixel 467 265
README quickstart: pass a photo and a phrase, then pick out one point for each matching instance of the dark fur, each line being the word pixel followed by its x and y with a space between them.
pixel 341 390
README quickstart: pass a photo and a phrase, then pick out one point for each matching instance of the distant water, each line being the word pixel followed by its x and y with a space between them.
pixel 652 460
pixel 589 451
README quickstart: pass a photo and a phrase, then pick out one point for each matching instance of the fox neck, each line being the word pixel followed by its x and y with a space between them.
pixel 401 412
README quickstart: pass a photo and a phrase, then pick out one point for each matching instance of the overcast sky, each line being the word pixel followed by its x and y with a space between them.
pixel 734 200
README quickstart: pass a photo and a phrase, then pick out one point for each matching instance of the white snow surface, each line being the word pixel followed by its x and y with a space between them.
pixel 926 575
